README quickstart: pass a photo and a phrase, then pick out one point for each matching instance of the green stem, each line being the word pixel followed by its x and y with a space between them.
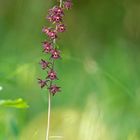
pixel 49 113
pixel 61 1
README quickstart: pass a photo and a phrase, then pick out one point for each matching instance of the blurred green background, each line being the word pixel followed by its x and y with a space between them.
pixel 99 72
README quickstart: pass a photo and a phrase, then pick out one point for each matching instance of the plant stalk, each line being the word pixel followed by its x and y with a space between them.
pixel 61 1
pixel 49 98
pixel 49 113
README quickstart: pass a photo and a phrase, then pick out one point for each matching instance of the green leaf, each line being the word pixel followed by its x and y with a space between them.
pixel 18 103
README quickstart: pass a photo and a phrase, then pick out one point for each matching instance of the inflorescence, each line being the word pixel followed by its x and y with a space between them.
pixel 56 18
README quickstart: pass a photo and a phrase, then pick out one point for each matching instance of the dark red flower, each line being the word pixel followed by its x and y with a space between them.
pixel 55 14
pixel 47 47
pixel 56 10
pixel 41 82
pixel 57 18
pixel 61 28
pixel 52 34
pixel 52 75
pixel 45 30
pixel 54 89
pixel 68 4
pixel 44 64
pixel 55 54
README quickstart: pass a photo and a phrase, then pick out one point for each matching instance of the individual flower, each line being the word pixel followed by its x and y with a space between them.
pixel 61 28
pixel 54 89
pixel 45 30
pixel 47 47
pixel 42 83
pixel 52 75
pixel 55 14
pixel 55 54
pixel 57 18
pixel 56 10
pixel 44 64
pixel 52 34
pixel 68 4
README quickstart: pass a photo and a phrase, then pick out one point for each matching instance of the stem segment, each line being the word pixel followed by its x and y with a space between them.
pixel 49 113
pixel 61 3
